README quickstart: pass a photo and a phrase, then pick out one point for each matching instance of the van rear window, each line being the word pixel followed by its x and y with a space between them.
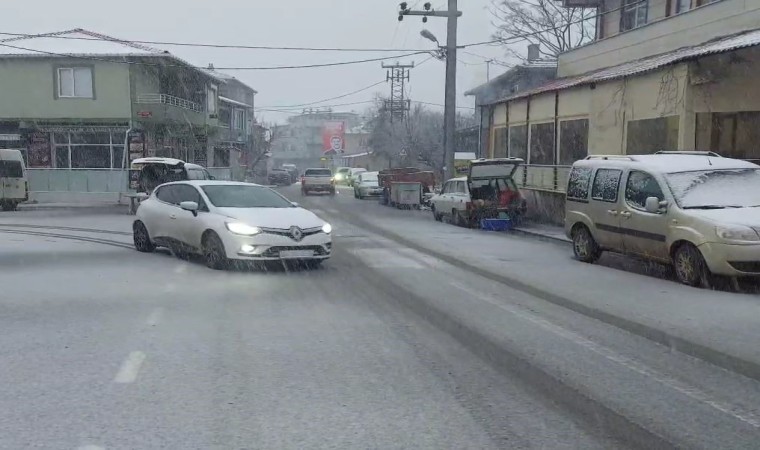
pixel 578 183
pixel 11 169
pixel 318 173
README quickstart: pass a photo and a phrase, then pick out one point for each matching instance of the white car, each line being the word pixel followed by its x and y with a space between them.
pixel 224 220
pixel 366 185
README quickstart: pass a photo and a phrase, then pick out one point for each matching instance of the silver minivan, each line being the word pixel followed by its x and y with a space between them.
pixel 695 210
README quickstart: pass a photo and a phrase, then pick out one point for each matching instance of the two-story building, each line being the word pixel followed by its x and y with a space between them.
pixel 89 104
pixel 662 74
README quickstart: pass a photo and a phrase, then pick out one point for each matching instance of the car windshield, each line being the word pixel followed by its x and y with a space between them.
pixel 369 179
pixel 716 189
pixel 243 196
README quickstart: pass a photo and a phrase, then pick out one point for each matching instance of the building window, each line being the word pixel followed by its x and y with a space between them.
pixel 221 157
pixel 633 14
pixel 731 134
pixel 238 119
pixel 500 142
pixel 651 135
pixel 518 141
pixel 75 82
pixel 211 100
pixel 573 140
pixel 224 117
pixel 542 144
pixel 682 6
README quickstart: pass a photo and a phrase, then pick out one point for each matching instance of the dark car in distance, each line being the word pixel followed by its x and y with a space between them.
pixel 279 177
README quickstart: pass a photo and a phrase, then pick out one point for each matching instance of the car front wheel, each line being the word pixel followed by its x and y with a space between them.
pixel 585 247
pixel 690 266
pixel 141 238
pixel 214 253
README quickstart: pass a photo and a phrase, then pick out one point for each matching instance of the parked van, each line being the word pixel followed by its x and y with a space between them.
pixel 14 186
pixel 695 210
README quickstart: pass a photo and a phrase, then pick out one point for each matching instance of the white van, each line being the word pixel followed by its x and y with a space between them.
pixel 13 182
pixel 695 210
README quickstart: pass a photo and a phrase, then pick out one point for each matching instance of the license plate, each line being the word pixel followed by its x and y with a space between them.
pixel 290 254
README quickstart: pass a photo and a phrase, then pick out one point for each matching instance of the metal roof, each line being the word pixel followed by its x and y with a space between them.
pixel 85 44
pixel 718 45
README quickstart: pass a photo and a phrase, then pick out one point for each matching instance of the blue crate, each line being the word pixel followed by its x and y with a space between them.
pixel 496 224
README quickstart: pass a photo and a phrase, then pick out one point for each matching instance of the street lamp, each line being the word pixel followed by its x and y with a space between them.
pixel 428 35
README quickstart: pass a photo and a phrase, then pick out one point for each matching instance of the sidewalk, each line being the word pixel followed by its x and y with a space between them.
pixel 722 328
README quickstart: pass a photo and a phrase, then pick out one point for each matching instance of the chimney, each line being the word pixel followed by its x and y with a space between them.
pixel 533 52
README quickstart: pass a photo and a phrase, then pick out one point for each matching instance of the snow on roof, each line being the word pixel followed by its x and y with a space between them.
pixel 719 45
pixel 670 163
pixel 73 42
pixel 81 43
pixel 234 102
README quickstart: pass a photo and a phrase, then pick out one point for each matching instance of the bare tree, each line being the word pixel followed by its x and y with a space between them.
pixel 544 22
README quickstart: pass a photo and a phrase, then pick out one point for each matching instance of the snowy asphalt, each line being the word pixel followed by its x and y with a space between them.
pixel 385 347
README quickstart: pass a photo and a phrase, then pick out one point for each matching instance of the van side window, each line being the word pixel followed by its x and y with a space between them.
pixel 606 184
pixel 578 183
pixel 11 169
pixel 460 187
pixel 639 187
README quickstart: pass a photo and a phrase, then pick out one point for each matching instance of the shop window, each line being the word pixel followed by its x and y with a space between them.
pixel 633 14
pixel 518 141
pixel 736 135
pixel 118 157
pixel 82 150
pixel 651 135
pixel 542 144
pixel 93 157
pixel 500 142
pixel 573 140
pixel 238 121
pixel 606 184
pixel 682 6
pixel 221 157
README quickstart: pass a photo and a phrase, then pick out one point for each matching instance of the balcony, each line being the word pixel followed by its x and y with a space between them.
pixel 169 100
pixel 165 107
pixel 692 27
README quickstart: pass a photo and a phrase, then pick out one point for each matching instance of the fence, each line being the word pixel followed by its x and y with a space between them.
pixel 77 180
pixel 166 99
pixel 542 177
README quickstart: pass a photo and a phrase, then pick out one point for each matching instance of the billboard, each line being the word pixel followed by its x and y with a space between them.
pixel 333 138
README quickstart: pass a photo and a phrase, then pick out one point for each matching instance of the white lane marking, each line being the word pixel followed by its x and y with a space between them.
pixel 130 368
pixel 383 258
pixel 636 366
pixel 155 317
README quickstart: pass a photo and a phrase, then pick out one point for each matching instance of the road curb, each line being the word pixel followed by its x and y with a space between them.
pixel 716 357
pixel 536 234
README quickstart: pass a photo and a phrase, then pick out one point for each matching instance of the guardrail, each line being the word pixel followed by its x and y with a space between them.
pixel 167 99
pixel 543 177
pixel 77 180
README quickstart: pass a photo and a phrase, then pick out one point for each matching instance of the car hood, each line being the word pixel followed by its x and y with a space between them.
pixel 281 218
pixel 738 216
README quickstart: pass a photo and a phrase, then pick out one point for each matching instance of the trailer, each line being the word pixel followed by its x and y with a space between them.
pixel 385 178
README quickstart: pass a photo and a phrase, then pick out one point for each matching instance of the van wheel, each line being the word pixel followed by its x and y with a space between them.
pixel 585 247
pixel 690 266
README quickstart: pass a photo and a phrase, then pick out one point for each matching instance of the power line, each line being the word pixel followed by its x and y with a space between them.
pixel 328 99
pixel 306 66
pixel 223 46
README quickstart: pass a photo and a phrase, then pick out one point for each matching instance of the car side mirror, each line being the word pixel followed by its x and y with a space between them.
pixel 190 206
pixel 211 177
pixel 295 204
pixel 654 205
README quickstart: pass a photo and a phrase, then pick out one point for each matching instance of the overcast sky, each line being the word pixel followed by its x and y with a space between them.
pixel 311 23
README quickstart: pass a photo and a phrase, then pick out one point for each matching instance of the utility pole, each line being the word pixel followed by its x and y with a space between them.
pixel 449 112
pixel 397 105
pixel 488 69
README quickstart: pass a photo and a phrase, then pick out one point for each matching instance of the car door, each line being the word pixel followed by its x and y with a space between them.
pixel 443 202
pixel 644 232
pixel 460 197
pixel 158 212
pixel 187 227
pixel 604 208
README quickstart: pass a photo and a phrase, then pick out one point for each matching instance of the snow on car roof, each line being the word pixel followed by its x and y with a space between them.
pixel 669 163
pixel 158 160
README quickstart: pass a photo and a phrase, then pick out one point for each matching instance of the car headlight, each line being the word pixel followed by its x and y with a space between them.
pixel 242 229
pixel 737 233
pixel 327 228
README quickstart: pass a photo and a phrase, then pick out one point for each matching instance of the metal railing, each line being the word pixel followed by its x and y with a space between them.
pixel 171 100
pixel 542 177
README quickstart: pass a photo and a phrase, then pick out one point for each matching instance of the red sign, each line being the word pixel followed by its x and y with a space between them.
pixel 334 138
pixel 144 113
